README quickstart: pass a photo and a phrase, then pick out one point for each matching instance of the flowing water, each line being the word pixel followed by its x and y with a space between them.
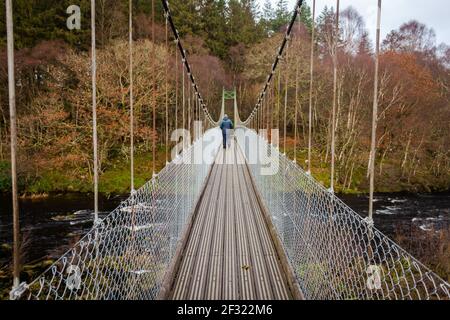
pixel 396 212
pixel 49 226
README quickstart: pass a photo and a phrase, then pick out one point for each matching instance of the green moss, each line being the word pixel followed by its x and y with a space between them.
pixel 117 178
pixel 57 181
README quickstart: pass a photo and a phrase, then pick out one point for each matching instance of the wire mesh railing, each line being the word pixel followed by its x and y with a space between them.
pixel 334 252
pixel 126 255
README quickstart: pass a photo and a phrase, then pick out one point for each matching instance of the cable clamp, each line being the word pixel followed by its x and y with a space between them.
pixel 18 291
pixel 369 222
pixel 97 222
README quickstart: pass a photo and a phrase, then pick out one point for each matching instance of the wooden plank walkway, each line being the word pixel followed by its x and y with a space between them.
pixel 229 253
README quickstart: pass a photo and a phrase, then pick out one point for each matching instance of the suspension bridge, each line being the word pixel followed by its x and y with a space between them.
pixel 244 222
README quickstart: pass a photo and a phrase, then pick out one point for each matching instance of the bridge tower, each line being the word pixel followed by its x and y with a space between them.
pixel 230 95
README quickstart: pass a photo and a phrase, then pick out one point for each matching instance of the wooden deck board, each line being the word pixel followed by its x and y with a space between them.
pixel 229 253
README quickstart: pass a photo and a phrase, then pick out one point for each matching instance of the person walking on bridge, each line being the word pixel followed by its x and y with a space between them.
pixel 226 125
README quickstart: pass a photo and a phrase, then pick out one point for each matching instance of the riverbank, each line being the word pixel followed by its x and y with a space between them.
pixel 115 177
pixel 389 175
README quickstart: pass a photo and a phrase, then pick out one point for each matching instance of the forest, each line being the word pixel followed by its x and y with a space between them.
pixel 229 44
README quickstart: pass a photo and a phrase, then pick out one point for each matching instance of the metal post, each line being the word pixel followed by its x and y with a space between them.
pixel 13 124
pixel 94 109
pixel 374 115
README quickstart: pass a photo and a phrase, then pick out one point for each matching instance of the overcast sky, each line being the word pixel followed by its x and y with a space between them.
pixel 434 13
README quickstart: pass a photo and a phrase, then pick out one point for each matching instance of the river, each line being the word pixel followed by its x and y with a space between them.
pixel 51 225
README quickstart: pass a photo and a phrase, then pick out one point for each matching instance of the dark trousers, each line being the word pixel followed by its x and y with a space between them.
pixel 224 137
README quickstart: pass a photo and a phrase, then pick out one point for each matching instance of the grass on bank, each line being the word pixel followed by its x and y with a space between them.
pixel 115 178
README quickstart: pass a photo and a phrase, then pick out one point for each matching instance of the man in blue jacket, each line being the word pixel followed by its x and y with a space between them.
pixel 226 125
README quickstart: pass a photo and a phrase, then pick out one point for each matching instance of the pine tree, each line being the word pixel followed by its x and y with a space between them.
pixel 39 20
pixel 186 16
pixel 242 22
pixel 268 12
pixel 281 16
pixel 267 17
pixel 325 29
pixel 306 17
pixel 214 26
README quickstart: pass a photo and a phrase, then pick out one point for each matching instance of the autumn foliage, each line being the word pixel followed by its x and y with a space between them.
pixel 54 93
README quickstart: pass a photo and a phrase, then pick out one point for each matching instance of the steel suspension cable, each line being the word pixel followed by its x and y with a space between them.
pixel 94 108
pixel 184 98
pixel 297 79
pixel 268 107
pixel 155 134
pixel 373 147
pixel 311 80
pixel 278 98
pixel 275 103
pixel 167 91
pixel 268 101
pixel 176 93
pixel 333 115
pixel 130 46
pixel 189 112
pixel 286 94
pixel 13 139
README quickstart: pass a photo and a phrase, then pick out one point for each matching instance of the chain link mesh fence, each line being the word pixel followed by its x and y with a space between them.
pixel 125 255
pixel 334 252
